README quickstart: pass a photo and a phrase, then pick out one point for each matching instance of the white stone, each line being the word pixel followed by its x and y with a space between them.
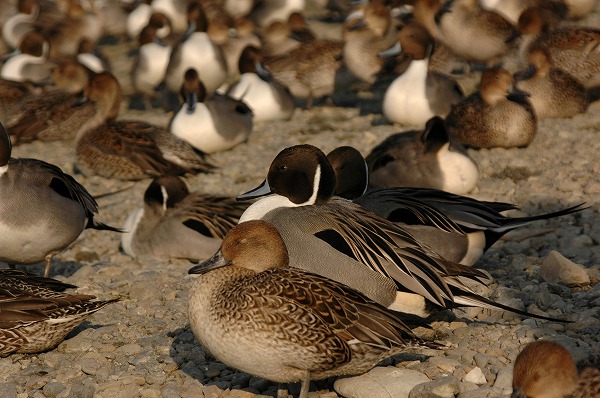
pixel 558 269
pixel 475 376
pixel 380 382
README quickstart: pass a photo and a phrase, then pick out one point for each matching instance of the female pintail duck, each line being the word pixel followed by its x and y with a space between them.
pixel 150 64
pixel 571 48
pixel 58 114
pixel 233 40
pixel 367 32
pixel 458 228
pixel 267 98
pixel 36 314
pixel 175 223
pixel 427 159
pixel 15 27
pixel 498 115
pixel 277 40
pixel 417 94
pixel 256 314
pixel 12 95
pixel 330 235
pixel 553 92
pixel 30 62
pixel 545 369
pixel 310 70
pixel 473 33
pixel 128 149
pixel 43 209
pixel 210 124
pixel 196 50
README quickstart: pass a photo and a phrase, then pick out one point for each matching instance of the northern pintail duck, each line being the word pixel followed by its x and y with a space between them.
pixel 30 62
pixel 571 48
pixel 367 32
pixel 89 55
pixel 150 64
pixel 233 40
pixel 345 242
pixel 579 9
pixel 12 94
pixel 498 115
pixel 128 149
pixel 175 223
pixel 15 27
pixel 429 158
pixel 545 369
pixel 196 50
pixel 256 314
pixel 210 123
pixel 144 15
pixel 473 33
pixel 36 314
pixel 267 98
pixel 277 40
pixel 458 228
pixel 309 71
pixel 269 11
pixel 509 9
pixel 553 92
pixel 418 94
pixel 43 209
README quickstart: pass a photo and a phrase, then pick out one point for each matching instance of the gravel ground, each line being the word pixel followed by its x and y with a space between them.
pixel 142 346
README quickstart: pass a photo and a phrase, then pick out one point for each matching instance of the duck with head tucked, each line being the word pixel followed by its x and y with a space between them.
pixel 256 314
pixel 498 115
pixel 177 223
pixel 43 209
pixel 29 63
pixel 128 149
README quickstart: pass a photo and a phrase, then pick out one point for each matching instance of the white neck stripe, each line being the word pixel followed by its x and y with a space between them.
pixel 3 170
pixel 316 182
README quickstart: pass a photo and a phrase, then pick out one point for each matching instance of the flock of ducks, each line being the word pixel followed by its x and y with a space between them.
pixel 326 267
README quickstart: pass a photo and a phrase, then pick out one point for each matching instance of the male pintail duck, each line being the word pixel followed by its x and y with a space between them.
pixel 267 12
pixel 175 223
pixel 367 32
pixel 128 149
pixel 545 369
pixel 175 11
pixel 417 94
pixel 30 62
pixel 15 27
pixel 144 15
pixel 58 114
pixel 498 115
pixel 553 92
pixel 256 314
pixel 473 33
pixel 210 123
pixel 43 209
pixel 267 98
pixel 150 64
pixel 571 48
pixel 196 50
pixel 36 314
pixel 330 235
pixel 427 159
pixel 89 56
pixel 458 228
pixel 310 70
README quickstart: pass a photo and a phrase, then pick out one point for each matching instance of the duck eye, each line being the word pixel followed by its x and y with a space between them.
pixel 282 167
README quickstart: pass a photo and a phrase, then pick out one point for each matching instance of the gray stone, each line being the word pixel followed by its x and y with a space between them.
pixel 484 392
pixel 475 376
pixel 380 382
pixel 446 387
pixel 444 363
pixel 558 269
pixel 51 389
pixel 8 390
pixel 504 377
pixel 81 390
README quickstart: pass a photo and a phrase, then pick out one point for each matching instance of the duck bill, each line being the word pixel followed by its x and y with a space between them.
pixel 262 190
pixel 392 51
pixel 216 261
pixel 190 100
pixel 514 90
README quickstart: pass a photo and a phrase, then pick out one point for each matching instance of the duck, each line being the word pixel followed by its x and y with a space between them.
pixel 571 48
pixel 418 94
pixel 21 22
pixel 128 149
pixel 267 12
pixel 210 124
pixel 12 94
pixel 44 209
pixel 284 324
pixel 508 9
pixel 553 92
pixel 266 97
pixel 367 32
pixel 430 158
pixel 196 50
pixel 89 55
pixel 177 223
pixel 473 33
pixel 329 235
pixel 458 228
pixel 30 62
pixel 59 113
pixel 277 40
pixel 545 368
pixel 233 40
pixel 37 313
pixel 498 115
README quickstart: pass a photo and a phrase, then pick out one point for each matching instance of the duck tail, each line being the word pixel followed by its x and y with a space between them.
pixel 93 224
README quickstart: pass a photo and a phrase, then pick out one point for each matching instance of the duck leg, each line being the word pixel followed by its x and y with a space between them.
pixel 47 261
pixel 305 386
